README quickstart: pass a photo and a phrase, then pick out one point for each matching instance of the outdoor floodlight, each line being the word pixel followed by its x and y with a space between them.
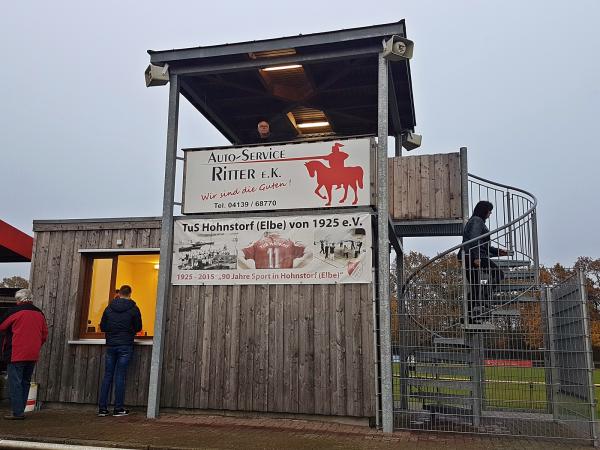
pixel 157 75
pixel 398 48
pixel 411 141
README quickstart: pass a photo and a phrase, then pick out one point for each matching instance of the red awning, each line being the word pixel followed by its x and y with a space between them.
pixel 15 246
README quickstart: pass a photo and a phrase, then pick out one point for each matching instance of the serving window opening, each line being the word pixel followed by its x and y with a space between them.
pixel 104 274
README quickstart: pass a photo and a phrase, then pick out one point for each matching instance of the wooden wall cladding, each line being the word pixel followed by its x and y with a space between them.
pixel 293 349
pixel 73 372
pixel 425 187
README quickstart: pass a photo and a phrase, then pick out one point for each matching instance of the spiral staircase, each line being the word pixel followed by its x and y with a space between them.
pixel 441 343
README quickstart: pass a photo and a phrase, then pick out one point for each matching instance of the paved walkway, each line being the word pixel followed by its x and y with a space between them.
pixel 173 431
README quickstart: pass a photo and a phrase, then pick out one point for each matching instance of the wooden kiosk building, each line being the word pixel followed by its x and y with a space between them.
pixel 311 349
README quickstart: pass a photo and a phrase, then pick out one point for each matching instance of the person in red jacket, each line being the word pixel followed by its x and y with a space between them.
pixel 25 331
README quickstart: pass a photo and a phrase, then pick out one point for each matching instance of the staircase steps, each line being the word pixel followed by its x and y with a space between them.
pixel 512 287
pixel 510 263
pixel 443 398
pixel 506 298
pixel 465 385
pixel 449 410
pixel 505 313
pixel 448 341
pixel 444 370
pixel 485 326
pixel 519 275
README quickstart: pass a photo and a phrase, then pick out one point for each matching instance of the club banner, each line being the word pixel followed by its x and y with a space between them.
pixel 323 249
pixel 289 176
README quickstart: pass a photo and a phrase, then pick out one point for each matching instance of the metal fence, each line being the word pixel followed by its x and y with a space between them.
pixel 477 348
pixel 570 377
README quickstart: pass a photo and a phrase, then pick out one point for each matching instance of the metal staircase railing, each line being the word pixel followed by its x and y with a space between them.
pixel 447 309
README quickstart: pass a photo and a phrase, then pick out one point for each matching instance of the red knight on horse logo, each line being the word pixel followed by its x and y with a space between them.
pixel 337 174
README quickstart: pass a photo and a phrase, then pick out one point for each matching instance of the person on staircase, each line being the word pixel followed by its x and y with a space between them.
pixel 479 266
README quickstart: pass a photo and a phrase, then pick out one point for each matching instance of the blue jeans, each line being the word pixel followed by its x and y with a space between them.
pixel 116 363
pixel 19 380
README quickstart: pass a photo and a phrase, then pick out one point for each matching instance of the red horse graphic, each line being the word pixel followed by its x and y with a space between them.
pixel 328 177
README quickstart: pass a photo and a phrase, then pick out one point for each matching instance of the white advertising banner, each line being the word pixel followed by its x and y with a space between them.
pixel 320 249
pixel 288 176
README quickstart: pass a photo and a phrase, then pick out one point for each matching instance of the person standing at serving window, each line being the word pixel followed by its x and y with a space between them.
pixel 120 322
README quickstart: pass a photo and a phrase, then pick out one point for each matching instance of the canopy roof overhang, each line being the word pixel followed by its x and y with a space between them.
pixel 15 246
pixel 329 78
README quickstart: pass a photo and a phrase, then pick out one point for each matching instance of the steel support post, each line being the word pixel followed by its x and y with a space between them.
pixel 509 216
pixel 166 250
pixel 587 338
pixel 536 253
pixel 383 251
pixel 403 340
pixel 477 371
pixel 552 375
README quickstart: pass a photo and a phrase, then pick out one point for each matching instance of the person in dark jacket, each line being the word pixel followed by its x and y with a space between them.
pixel 121 320
pixel 477 260
pixel 25 331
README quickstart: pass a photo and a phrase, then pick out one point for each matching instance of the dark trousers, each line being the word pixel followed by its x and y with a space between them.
pixel 480 295
pixel 116 363
pixel 19 380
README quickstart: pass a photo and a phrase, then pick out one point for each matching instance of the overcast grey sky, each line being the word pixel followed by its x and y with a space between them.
pixel 517 82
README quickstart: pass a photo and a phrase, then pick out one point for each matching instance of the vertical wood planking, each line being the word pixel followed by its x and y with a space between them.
pixel 347 301
pixel 199 296
pixel 398 188
pixel 306 330
pixel 49 302
pixel 438 183
pixel 368 356
pixel 218 349
pixel 57 348
pixel 189 356
pixel 404 189
pixel 261 354
pixel 322 345
pixel 276 385
pixel 356 395
pixel 177 354
pixel 168 378
pixel 455 188
pixel 247 348
pixel 414 209
pixel 339 401
pixel 425 192
pixel 206 346
pixel 232 349
pixel 71 325
pixel 445 185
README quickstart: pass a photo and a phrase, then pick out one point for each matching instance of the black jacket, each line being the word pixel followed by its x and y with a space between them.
pixel 121 321
pixel 479 249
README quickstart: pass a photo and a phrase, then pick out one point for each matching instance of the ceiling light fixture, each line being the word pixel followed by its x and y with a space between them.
pixel 313 124
pixel 288 67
